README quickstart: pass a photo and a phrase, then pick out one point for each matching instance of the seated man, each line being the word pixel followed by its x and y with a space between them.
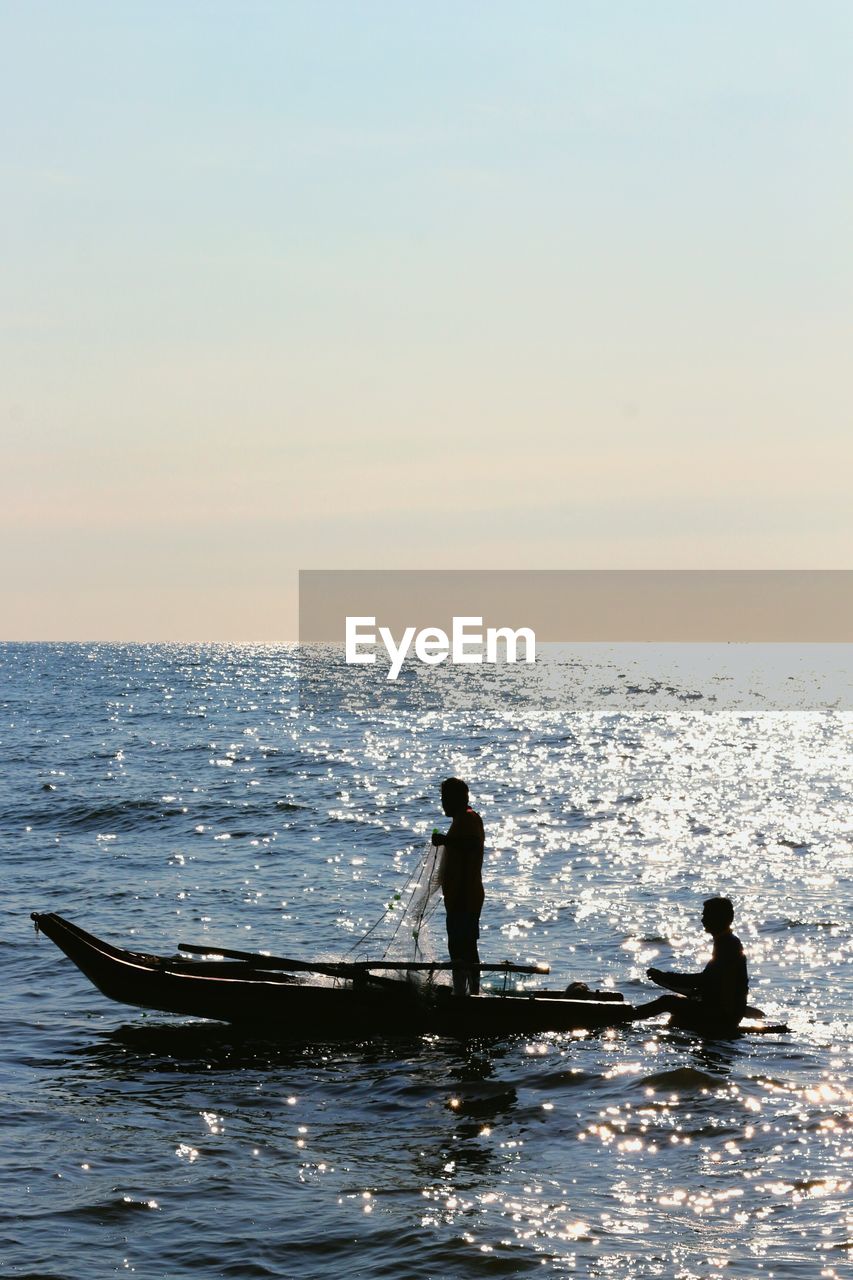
pixel 713 1001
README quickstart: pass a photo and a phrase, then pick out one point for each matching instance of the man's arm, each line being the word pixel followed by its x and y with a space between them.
pixel 684 983
pixel 464 833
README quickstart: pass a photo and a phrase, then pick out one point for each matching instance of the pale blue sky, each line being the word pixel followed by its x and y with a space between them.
pixel 384 285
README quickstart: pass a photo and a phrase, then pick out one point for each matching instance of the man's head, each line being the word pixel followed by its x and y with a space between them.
pixel 454 796
pixel 717 914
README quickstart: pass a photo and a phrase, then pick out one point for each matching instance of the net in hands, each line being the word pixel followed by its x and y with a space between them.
pixel 404 929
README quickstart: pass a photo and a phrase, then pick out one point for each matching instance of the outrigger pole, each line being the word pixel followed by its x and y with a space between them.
pixel 340 969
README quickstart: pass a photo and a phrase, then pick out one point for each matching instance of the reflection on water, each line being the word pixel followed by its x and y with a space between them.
pixel 190 802
pixel 557 1148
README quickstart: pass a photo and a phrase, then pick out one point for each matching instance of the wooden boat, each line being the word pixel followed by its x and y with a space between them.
pixel 256 991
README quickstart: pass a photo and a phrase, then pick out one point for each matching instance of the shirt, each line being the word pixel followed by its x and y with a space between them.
pixel 462 871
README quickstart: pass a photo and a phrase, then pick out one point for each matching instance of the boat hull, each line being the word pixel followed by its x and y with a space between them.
pixel 284 1007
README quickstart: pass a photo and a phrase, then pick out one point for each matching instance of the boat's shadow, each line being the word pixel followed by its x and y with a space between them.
pixel 192 1047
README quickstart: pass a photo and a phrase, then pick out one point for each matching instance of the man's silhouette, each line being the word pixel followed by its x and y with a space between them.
pixel 462 883
pixel 714 1000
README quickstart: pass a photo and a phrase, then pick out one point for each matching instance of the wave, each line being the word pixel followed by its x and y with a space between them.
pixel 121 815
pixel 683 1079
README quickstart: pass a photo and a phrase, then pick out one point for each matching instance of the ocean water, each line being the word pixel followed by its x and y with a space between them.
pixel 157 794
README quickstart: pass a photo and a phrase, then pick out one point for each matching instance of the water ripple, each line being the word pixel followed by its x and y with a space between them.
pixel 166 793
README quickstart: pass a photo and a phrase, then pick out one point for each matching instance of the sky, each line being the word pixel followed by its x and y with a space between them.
pixel 384 285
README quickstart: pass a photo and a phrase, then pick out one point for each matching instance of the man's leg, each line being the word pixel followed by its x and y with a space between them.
pixel 456 949
pixel 689 1015
pixel 460 969
pixel 462 933
pixel 474 973
pixel 663 1004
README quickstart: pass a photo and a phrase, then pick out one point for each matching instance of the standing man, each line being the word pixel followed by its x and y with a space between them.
pixel 462 884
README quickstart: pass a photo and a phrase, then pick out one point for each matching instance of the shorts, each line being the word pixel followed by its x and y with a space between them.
pixel 463 927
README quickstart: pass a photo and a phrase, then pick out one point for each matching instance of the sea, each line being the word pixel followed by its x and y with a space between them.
pixel 246 796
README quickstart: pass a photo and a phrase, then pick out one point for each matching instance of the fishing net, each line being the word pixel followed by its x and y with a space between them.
pixel 404 930
pixel 412 938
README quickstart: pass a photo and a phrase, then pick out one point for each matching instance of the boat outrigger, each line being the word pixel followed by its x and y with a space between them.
pixel 288 998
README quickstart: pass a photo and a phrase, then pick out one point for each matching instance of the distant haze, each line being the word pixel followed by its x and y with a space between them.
pixel 490 285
